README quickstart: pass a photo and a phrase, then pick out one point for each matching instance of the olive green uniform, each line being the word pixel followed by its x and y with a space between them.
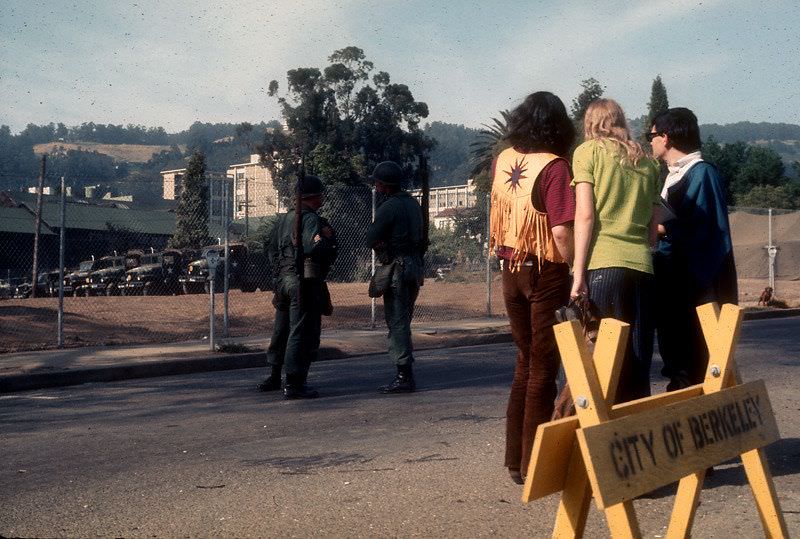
pixel 295 336
pixel 396 235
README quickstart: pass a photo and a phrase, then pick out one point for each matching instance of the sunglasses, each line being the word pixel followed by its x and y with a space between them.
pixel 651 136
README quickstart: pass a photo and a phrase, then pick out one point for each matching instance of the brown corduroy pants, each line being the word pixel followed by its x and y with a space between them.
pixel 532 297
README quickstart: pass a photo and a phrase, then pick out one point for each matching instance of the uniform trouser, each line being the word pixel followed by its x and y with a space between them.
pixel 398 309
pixel 532 297
pixel 680 337
pixel 625 294
pixel 295 336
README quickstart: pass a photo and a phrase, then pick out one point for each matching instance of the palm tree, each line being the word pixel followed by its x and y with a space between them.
pixel 488 143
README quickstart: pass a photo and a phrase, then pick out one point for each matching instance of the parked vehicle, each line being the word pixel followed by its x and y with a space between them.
pixel 74 281
pixel 157 273
pixel 110 273
pixel 47 286
pixel 6 290
pixel 247 272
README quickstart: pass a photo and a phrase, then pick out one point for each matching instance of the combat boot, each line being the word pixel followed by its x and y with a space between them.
pixel 296 388
pixel 403 382
pixel 273 381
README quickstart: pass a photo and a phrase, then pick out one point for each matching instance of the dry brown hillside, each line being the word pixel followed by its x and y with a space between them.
pixel 750 234
pixel 130 153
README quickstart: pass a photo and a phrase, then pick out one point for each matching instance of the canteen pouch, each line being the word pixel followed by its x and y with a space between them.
pixel 381 280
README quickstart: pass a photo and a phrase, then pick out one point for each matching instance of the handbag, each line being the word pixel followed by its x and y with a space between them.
pixel 584 311
pixel 381 280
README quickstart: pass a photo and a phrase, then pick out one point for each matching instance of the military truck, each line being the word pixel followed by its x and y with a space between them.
pixel 110 273
pixel 246 271
pixel 157 273
pixel 47 286
pixel 74 281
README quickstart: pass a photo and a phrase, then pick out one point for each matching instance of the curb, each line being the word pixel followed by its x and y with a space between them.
pixel 769 314
pixel 248 360
pixel 176 366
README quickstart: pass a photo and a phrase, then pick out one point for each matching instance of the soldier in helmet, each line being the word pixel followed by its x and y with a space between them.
pixel 397 238
pixel 295 338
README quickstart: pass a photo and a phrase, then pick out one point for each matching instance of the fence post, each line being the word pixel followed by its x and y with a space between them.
pixel 488 258
pixel 211 335
pixel 37 228
pixel 225 285
pixel 373 304
pixel 771 252
pixel 60 331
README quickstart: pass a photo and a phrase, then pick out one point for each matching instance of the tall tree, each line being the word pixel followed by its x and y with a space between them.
pixel 658 101
pixel 592 90
pixel 191 215
pixel 341 121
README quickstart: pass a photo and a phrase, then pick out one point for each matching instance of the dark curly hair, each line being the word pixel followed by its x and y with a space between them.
pixel 541 124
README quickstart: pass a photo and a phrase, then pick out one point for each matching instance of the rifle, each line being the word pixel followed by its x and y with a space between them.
pixel 298 229
pixel 426 201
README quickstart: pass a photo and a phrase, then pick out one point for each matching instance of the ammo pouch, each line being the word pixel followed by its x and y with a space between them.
pixel 382 279
pixel 311 269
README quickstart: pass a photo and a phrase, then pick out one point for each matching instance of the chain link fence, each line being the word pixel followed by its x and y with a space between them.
pixel 123 282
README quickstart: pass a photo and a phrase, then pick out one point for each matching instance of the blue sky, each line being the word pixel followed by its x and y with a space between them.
pixel 169 63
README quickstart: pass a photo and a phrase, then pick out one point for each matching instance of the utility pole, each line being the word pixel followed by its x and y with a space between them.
pixel 61 249
pixel 37 228
pixel 772 251
pixel 246 206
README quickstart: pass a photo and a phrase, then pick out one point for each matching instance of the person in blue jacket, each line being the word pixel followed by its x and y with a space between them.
pixel 693 261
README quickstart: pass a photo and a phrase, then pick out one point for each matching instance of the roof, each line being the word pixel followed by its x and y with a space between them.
pixel 19 221
pixel 85 216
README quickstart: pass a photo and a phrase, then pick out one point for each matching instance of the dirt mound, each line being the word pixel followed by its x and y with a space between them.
pixel 750 236
pixel 131 153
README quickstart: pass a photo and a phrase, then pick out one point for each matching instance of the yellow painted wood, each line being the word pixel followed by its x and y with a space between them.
pixel 655 401
pixel 612 338
pixel 622 521
pixel 584 382
pixel 685 506
pixel 638 453
pixel 760 479
pixel 548 468
pixel 554 441
pixel 573 508
pixel 581 373
pixel 721 329
pixel 593 379
pixel 550 458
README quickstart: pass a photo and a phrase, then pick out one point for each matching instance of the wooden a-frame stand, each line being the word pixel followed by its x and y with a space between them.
pixel 571 455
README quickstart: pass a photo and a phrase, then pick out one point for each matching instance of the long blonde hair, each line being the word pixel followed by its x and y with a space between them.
pixel 604 119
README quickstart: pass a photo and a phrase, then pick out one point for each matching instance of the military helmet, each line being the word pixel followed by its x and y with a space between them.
pixel 387 172
pixel 311 186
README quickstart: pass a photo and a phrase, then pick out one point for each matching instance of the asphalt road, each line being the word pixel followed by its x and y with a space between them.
pixel 206 455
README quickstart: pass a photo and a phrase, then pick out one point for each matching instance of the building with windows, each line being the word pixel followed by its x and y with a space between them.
pixel 445 202
pixel 250 193
pixel 253 192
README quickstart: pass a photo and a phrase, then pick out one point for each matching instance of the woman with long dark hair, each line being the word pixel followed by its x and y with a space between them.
pixel 531 229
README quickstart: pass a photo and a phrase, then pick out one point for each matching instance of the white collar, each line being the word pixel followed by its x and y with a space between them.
pixel 678 169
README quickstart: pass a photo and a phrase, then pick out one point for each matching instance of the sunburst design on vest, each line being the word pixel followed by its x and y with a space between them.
pixel 517 173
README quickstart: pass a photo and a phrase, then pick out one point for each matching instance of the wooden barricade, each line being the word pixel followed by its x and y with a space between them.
pixel 615 453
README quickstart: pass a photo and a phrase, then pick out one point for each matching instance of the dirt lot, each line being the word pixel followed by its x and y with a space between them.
pixel 31 324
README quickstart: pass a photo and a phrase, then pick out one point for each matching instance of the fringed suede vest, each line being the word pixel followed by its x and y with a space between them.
pixel 514 222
